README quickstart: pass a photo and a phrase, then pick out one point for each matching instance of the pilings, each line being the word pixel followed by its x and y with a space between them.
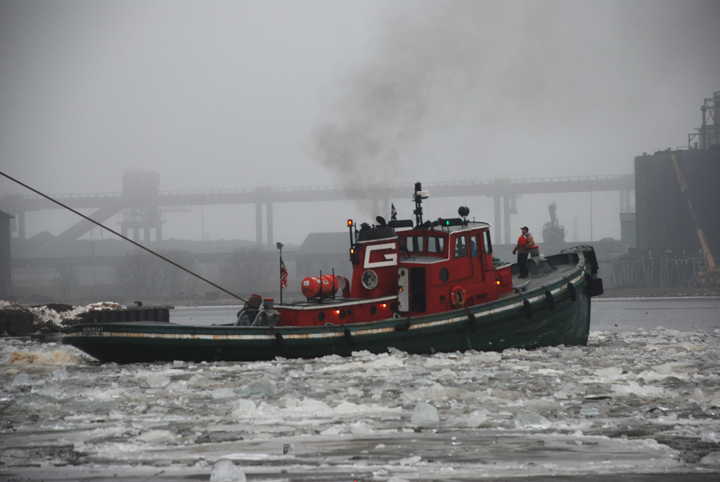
pixel 666 271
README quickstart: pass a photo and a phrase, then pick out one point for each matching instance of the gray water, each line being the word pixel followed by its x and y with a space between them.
pixel 640 402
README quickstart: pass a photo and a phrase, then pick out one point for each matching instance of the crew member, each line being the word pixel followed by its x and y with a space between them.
pixel 522 248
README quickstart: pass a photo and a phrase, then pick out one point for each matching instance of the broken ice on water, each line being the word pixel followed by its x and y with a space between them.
pixel 644 401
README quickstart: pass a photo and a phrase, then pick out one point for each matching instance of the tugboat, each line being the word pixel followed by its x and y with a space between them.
pixel 417 285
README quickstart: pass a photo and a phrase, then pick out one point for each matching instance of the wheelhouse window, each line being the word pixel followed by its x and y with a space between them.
pixel 435 244
pixel 414 244
pixel 488 244
pixel 474 246
pixel 461 246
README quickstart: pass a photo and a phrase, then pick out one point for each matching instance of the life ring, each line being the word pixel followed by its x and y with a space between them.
pixel 457 297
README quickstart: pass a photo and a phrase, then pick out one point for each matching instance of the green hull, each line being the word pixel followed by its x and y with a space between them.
pixel 520 321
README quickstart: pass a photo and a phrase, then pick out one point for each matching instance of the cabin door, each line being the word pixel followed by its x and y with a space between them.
pixel 417 290
pixel 477 252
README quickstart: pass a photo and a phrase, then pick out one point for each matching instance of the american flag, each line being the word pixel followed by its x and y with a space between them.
pixel 283 275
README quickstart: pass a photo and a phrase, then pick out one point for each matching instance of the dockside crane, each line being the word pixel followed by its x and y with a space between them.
pixel 711 273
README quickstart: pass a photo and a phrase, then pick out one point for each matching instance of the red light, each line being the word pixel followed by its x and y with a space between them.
pixel 384 305
pixel 350 222
pixel 337 312
pixel 497 282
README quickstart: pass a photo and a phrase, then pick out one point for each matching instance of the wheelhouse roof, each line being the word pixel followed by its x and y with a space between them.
pixel 471 226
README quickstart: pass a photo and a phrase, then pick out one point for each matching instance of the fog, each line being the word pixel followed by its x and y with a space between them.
pixel 224 95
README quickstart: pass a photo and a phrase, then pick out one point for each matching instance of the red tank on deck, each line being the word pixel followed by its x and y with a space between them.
pixel 325 286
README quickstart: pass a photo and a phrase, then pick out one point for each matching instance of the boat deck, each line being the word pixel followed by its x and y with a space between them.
pixel 543 271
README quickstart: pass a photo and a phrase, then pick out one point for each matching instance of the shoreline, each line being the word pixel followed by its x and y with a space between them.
pixel 689 292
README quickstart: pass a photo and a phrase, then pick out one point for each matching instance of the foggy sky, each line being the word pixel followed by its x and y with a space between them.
pixel 240 94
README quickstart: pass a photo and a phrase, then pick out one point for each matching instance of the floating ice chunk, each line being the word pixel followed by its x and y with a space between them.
pixel 525 420
pixel 200 381
pixel 176 386
pixel 446 373
pixel 589 411
pixel 362 354
pixel 221 393
pixel 354 392
pixel 477 418
pixel 573 352
pixel 437 392
pixel 712 459
pixel 611 373
pixel 710 436
pixel 699 396
pixel 157 380
pixel 384 361
pixel 652 376
pixel 487 357
pixel 157 436
pixel 360 428
pixel 505 394
pixel 244 409
pixel 116 415
pixel 674 368
pixel 549 372
pixel 60 374
pixel 424 415
pixel 634 388
pixel 226 471
pixel 21 380
pixel 410 460
pixel 347 408
pixel 331 431
pixel 396 479
pixel 265 388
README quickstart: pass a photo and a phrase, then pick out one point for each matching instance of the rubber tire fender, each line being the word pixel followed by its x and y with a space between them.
pixel 550 300
pixel 572 290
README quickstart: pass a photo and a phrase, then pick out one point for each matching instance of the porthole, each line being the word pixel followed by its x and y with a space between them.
pixel 321 316
pixel 444 274
pixel 369 279
pixel 373 310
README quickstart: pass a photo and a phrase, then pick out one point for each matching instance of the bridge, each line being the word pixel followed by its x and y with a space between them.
pixel 140 202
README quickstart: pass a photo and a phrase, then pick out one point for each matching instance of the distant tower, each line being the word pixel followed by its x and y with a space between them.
pixel 553 232
pixel 708 135
pixel 140 189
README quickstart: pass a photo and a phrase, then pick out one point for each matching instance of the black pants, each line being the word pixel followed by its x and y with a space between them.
pixel 522 263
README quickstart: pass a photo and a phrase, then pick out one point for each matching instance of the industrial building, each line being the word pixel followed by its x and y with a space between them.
pixel 669 222
pixel 664 221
